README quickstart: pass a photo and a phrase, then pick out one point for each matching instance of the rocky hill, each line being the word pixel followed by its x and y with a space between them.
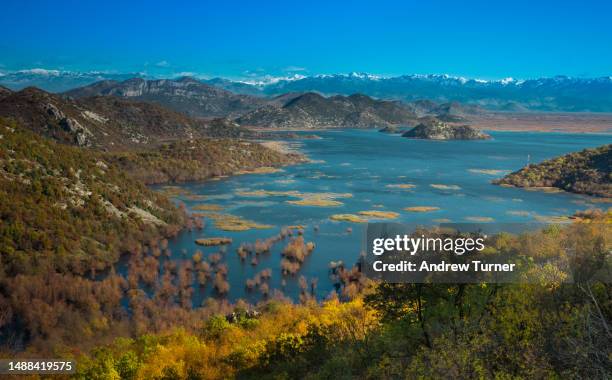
pixel 439 130
pixel 186 95
pixel 100 122
pixel 107 122
pixel 312 110
pixel 4 92
pixel 585 172
pixel 76 210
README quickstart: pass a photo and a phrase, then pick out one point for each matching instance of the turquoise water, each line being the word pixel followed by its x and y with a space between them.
pixel 364 163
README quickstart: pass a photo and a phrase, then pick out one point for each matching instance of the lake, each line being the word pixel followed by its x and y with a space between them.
pixel 365 170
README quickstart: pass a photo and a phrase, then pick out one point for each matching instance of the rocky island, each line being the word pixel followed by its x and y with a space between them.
pixel 584 172
pixel 438 130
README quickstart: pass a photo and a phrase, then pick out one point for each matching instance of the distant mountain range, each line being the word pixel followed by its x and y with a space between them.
pixel 56 80
pixel 546 94
pixel 559 93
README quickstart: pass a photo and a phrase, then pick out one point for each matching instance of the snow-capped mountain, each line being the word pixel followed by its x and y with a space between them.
pixel 558 93
pixel 57 80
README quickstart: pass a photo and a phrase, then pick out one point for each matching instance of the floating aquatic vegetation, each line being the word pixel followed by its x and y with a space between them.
pixel 379 214
pixel 404 186
pixel 480 219
pixel 304 199
pixel 260 170
pixel 440 186
pixel 518 213
pixel 348 218
pixel 489 171
pixel 174 191
pixel 208 207
pixel 316 201
pixel 421 208
pixel 254 203
pixel 195 197
pixel 213 241
pixel 228 222
pixel 268 193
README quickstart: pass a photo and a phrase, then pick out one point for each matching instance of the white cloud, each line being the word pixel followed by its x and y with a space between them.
pixel 163 63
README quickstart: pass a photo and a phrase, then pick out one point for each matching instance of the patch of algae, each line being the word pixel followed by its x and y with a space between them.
pixel 489 171
pixel 440 186
pixel 404 186
pixel 316 201
pixel 228 222
pixel 208 207
pixel 348 218
pixel 421 209
pixel 304 199
pixel 379 214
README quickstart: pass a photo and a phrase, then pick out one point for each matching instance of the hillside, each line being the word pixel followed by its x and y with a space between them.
pixel 75 210
pixel 199 159
pixel 585 172
pixel 4 92
pixel 68 214
pixel 101 122
pixel 186 95
pixel 107 122
pixel 312 110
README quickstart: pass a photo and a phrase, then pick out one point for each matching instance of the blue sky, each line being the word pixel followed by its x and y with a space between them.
pixel 238 39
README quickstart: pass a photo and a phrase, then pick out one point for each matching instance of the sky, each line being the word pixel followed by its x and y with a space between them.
pixel 253 39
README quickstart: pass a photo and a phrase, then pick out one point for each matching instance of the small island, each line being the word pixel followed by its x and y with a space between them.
pixel 438 130
pixel 586 172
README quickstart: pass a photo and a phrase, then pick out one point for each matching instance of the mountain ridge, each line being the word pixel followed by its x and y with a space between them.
pixel 185 94
pixel 311 110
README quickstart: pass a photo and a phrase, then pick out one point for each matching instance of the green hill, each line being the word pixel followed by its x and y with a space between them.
pixel 585 172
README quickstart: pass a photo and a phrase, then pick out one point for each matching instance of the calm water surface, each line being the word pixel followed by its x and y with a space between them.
pixel 364 163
